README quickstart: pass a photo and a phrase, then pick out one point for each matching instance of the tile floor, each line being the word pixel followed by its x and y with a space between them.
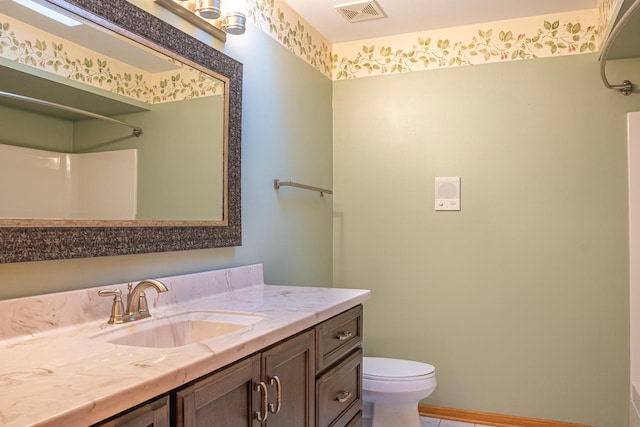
pixel 435 422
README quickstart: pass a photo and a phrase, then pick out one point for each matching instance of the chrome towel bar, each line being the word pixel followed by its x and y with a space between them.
pixel 277 184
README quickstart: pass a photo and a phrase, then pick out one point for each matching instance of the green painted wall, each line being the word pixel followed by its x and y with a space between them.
pixel 183 176
pixel 520 299
pixel 179 156
pixel 286 134
pixel 32 130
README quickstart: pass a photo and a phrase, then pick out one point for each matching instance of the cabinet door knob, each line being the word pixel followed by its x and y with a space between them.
pixel 344 335
pixel 275 409
pixel 343 396
pixel 262 416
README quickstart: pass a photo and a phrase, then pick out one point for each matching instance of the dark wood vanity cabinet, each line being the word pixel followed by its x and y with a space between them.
pixel 313 379
pixel 235 396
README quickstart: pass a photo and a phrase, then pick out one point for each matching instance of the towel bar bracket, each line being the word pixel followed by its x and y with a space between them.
pixel 626 88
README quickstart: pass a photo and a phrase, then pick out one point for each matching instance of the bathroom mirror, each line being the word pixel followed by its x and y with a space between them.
pixel 28 239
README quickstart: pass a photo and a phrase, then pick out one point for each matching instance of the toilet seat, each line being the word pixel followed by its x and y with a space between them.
pixel 395 370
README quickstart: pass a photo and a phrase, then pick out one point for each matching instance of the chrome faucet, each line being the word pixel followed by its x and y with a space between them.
pixel 137 307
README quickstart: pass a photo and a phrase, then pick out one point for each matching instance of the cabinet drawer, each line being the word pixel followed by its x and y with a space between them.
pixel 339 393
pixel 154 413
pixel 337 337
pixel 355 421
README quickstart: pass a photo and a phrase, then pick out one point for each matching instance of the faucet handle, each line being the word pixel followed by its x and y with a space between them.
pixel 117 309
pixel 143 307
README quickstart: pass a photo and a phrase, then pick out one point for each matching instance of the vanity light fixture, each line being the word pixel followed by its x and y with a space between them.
pixel 217 17
pixel 49 13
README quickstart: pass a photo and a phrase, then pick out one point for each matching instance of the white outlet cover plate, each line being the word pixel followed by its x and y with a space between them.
pixel 447 193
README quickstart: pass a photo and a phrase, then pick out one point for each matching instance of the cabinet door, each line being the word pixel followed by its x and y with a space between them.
pixel 224 399
pixel 153 414
pixel 292 364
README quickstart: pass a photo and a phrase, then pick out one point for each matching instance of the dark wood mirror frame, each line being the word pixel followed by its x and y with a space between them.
pixel 22 244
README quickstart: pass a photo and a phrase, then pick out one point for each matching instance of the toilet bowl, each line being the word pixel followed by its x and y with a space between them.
pixel 392 389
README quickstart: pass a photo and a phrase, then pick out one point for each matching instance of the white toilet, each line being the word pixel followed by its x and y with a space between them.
pixel 391 390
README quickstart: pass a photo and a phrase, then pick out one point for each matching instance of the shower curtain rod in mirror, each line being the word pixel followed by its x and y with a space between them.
pixel 137 131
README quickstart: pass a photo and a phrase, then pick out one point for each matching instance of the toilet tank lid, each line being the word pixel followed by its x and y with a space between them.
pixel 395 368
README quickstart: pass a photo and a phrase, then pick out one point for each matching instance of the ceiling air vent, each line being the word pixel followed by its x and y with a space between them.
pixel 360 11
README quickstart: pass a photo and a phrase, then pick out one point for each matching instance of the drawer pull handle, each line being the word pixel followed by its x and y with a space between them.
pixel 343 396
pixel 262 417
pixel 344 335
pixel 274 409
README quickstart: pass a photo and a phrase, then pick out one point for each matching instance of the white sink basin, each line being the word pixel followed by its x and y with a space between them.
pixel 179 329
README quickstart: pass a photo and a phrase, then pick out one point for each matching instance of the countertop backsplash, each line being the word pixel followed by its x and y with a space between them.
pixel 39 314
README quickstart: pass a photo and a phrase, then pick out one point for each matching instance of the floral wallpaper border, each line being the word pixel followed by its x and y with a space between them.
pixel 532 37
pixel 32 47
pixel 283 24
pixel 526 38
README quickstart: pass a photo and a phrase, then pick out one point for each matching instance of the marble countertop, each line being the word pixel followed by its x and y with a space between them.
pixel 54 370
